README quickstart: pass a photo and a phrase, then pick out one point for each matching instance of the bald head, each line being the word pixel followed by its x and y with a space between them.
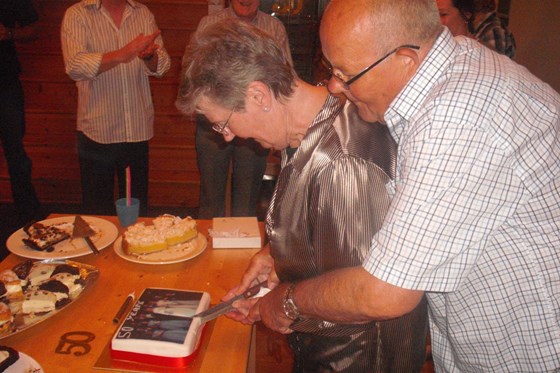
pixel 381 24
pixel 392 37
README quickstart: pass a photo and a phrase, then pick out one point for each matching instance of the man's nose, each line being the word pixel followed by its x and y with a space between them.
pixel 335 86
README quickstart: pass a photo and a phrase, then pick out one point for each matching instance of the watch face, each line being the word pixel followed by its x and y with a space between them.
pixel 290 309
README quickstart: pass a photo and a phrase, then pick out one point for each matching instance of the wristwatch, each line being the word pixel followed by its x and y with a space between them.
pixel 290 309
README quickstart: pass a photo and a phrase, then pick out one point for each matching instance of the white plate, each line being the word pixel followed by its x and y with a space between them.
pixel 174 254
pixel 106 232
pixel 25 364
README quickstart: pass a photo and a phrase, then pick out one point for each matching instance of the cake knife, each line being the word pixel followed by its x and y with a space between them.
pixel 225 307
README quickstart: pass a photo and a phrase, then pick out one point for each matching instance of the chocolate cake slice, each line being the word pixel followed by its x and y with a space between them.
pixel 22 269
pixel 66 268
pixel 43 237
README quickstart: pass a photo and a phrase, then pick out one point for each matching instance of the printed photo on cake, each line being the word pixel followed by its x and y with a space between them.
pixel 162 315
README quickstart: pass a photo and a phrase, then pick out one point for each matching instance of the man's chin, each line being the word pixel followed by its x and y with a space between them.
pixel 367 114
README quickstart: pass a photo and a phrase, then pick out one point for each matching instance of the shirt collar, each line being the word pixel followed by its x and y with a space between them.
pixel 410 99
pixel 97 3
pixel 254 21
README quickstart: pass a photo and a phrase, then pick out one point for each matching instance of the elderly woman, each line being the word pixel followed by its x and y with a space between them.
pixel 330 196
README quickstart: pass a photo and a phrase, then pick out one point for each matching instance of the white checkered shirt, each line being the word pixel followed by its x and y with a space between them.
pixel 475 219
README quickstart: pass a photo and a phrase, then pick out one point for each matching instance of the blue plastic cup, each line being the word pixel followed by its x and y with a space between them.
pixel 128 215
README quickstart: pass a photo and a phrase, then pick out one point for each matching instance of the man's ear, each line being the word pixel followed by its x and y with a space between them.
pixel 409 58
pixel 258 94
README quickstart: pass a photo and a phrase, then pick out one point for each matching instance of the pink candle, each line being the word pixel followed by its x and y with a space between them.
pixel 128 185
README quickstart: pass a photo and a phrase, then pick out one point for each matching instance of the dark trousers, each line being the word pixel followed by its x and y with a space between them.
pixel 12 131
pixel 214 155
pixel 100 163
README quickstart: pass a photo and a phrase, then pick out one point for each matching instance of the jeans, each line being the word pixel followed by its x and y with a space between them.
pixel 214 155
pixel 99 163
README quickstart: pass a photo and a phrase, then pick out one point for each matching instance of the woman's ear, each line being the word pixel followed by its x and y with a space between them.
pixel 259 95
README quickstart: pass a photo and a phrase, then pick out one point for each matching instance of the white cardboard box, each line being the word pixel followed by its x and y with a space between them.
pixel 236 233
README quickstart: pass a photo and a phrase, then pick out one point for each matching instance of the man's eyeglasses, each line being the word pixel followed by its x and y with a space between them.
pixel 222 128
pixel 346 83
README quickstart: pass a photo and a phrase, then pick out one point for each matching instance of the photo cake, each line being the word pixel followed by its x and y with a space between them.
pixel 160 330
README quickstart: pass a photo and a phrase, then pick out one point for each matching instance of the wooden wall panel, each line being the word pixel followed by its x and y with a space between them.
pixel 51 100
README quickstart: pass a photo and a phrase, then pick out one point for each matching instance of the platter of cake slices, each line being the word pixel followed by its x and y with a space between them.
pixel 32 292
pixel 52 238
pixel 167 239
pixel 12 361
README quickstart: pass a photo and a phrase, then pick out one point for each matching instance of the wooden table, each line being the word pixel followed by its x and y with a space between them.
pixel 225 348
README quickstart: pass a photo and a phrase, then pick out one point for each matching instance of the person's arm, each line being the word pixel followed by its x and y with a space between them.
pixel 155 56
pixel 79 63
pixel 283 41
pixel 347 295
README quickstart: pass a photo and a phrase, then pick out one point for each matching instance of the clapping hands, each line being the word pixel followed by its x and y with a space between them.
pixel 142 46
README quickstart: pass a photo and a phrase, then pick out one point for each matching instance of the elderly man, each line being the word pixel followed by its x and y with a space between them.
pixel 247 158
pixel 474 220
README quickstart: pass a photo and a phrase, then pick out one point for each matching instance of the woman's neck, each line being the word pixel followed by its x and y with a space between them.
pixel 302 109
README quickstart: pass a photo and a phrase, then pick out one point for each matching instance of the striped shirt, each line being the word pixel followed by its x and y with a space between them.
pixel 475 218
pixel 265 22
pixel 116 105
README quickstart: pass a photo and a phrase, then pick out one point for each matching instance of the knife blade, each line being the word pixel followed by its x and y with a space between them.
pixel 225 307
pixel 83 230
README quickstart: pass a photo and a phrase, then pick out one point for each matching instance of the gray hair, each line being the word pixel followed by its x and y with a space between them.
pixel 224 58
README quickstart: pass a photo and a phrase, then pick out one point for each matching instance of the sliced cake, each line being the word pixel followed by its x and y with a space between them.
pixel 143 239
pixel 38 302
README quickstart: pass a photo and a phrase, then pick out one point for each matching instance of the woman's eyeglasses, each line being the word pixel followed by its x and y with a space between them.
pixel 222 128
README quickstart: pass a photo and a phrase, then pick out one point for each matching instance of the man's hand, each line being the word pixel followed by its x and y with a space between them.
pixel 148 53
pixel 138 46
pixel 142 45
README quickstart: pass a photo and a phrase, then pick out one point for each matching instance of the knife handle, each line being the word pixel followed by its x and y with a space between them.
pixel 91 245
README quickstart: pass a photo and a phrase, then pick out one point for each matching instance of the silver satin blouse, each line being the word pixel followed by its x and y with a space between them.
pixel 329 201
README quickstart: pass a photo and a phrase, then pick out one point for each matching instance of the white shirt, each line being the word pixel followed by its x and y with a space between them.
pixel 116 105
pixel 475 218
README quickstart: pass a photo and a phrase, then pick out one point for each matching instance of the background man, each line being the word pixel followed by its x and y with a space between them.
pixel 14 13
pixel 248 159
pixel 110 49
